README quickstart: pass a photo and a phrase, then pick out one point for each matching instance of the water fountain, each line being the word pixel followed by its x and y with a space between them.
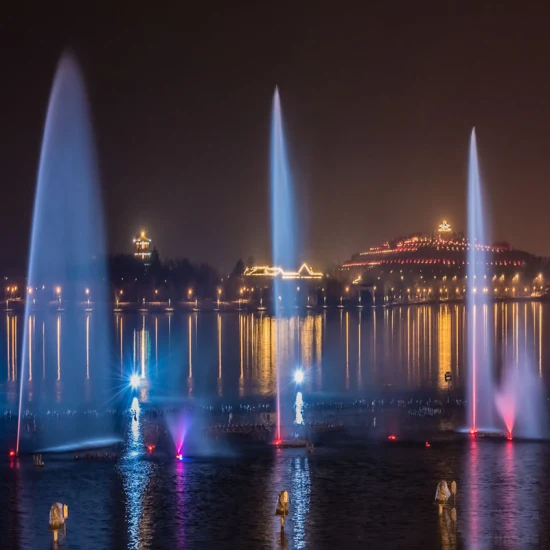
pixel 67 258
pixel 519 401
pixel 516 405
pixel 283 236
pixel 480 364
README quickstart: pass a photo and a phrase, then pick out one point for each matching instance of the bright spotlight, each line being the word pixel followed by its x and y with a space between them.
pixel 134 381
pixel 299 376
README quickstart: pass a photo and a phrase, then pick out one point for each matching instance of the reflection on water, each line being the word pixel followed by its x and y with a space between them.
pixel 136 473
pixel 233 354
pixel 505 495
pixel 58 347
pixel 87 346
pixel 444 346
pixel 300 499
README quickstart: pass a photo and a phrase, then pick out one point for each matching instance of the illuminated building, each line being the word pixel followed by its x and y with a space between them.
pixel 306 281
pixel 305 272
pixel 444 231
pixel 444 249
pixel 142 247
pixel 422 267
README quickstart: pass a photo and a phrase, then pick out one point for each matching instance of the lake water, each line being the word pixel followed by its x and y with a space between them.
pixel 229 356
pixel 378 496
pixel 359 493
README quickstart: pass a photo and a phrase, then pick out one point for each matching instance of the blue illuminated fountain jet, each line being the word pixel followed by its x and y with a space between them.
pixel 516 404
pixel 67 261
pixel 480 361
pixel 283 234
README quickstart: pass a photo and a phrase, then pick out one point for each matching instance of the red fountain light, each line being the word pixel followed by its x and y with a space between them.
pixel 392 437
pixel 150 448
pixel 428 444
pixel 12 454
pixel 509 436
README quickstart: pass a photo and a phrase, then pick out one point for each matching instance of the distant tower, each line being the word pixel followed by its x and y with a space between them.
pixel 142 248
pixel 444 231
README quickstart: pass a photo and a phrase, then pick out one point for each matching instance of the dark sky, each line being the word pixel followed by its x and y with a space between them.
pixel 378 104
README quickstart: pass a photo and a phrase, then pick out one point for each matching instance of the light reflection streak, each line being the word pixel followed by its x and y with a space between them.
pixel 44 350
pixel 14 352
pixel 181 503
pixel 31 334
pixel 444 346
pixel 409 345
pixel 319 336
pixel 190 347
pixel 142 358
pixel 428 323
pixel 219 326
pixel 416 370
pixel 525 331
pixel 241 354
pixel 156 344
pixel 300 499
pixel 359 381
pixel 540 340
pixel 121 346
pixel 374 340
pixel 142 350
pixel 59 347
pixel 474 491
pixel 8 344
pixel 87 347
pixel 347 350
pixel 136 474
pixel 457 342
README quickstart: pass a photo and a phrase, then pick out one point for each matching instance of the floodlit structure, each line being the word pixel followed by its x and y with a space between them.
pixel 142 247
pixel 270 272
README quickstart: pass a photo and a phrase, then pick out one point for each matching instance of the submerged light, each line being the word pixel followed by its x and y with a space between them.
pixel 134 381
pixel 299 376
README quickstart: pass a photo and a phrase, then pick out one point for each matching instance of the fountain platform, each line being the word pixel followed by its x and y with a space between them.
pixel 493 435
pixel 292 444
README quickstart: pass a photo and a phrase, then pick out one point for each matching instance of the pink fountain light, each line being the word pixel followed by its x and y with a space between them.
pixel 177 425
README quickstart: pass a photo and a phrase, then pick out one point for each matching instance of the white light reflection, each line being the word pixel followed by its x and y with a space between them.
pixel 300 499
pixel 136 474
pixel 88 347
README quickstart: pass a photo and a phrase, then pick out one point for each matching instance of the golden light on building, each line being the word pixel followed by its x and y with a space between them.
pixel 142 247
pixel 444 228
pixel 305 272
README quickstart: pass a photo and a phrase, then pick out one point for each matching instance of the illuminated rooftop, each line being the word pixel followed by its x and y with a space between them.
pixel 443 247
pixel 305 272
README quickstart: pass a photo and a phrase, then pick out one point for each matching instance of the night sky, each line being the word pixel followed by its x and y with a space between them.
pixel 378 103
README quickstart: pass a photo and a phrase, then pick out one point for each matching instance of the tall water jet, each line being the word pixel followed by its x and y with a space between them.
pixel 283 234
pixel 67 256
pixel 480 365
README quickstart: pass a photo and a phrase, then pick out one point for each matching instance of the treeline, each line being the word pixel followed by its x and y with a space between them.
pixel 174 278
